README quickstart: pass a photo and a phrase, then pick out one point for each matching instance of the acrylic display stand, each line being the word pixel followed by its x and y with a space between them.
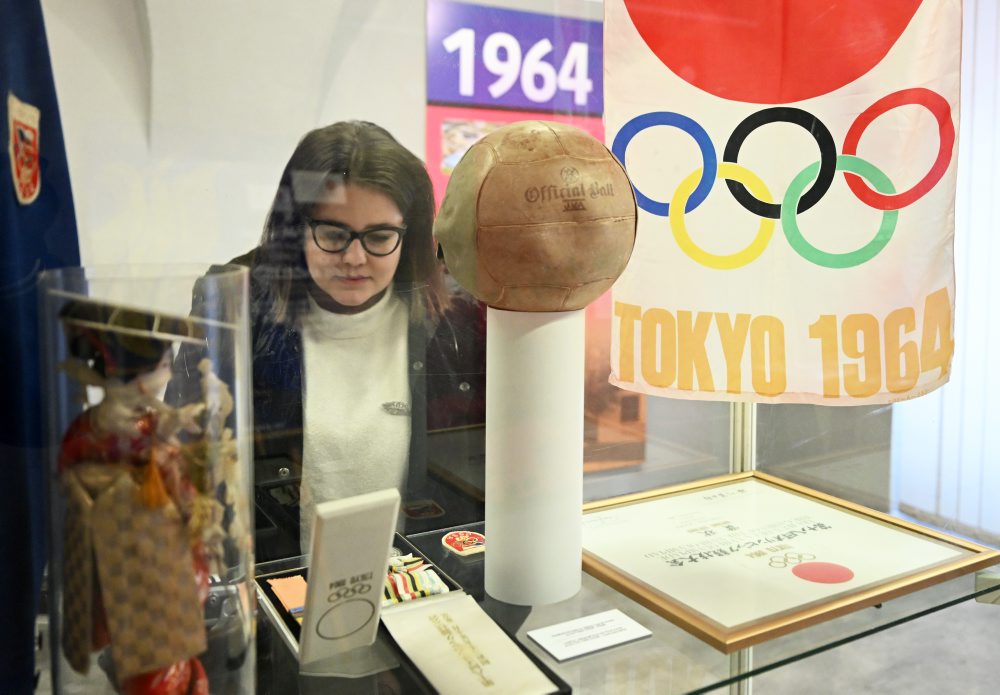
pixel 150 576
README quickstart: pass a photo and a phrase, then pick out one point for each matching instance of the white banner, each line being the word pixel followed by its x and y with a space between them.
pixel 794 164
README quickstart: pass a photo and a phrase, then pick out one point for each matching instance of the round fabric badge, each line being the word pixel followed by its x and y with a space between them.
pixel 464 542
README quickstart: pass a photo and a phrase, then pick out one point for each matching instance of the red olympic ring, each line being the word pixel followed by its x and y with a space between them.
pixel 938 106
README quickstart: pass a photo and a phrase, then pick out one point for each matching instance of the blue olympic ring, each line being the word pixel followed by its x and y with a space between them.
pixel 689 126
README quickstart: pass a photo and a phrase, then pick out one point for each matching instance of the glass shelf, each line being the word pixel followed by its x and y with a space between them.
pixel 671 660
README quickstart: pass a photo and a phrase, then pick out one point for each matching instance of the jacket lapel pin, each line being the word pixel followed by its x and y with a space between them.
pixel 396 408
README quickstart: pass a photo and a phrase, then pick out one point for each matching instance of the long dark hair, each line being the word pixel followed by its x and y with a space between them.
pixel 362 154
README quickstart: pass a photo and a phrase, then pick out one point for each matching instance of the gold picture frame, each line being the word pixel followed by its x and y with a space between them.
pixel 636 544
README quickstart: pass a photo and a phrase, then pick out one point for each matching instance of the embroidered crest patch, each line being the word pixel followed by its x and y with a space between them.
pixel 23 148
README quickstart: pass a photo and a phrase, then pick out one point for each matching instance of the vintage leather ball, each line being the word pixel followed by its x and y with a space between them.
pixel 538 216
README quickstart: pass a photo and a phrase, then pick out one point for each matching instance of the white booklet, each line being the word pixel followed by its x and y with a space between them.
pixel 460 650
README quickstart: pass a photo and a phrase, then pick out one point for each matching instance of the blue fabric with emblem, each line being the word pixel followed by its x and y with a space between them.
pixel 35 237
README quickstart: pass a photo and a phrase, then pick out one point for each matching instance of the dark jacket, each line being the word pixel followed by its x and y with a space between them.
pixel 447 386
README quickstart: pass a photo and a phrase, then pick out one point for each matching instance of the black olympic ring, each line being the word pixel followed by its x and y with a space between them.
pixel 783 114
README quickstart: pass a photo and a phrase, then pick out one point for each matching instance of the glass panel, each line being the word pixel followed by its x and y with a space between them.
pixel 841 451
pixel 635 442
pixel 151 560
pixel 177 135
pixel 673 661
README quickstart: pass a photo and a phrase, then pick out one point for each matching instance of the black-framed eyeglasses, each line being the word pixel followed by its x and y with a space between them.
pixel 333 237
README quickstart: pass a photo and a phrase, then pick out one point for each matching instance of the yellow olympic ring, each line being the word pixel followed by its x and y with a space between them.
pixel 733 172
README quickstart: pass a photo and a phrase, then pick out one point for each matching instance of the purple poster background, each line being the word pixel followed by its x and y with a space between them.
pixel 466 29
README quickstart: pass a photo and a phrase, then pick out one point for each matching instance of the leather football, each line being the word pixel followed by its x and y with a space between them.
pixel 537 216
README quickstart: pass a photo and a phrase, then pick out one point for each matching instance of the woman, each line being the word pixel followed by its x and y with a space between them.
pixel 355 339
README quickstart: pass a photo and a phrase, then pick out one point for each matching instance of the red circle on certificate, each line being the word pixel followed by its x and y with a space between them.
pixel 823 572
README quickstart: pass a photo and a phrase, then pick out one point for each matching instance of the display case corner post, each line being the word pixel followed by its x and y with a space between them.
pixel 743 437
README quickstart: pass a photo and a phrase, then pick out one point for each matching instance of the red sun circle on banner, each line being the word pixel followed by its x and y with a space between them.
pixel 770 51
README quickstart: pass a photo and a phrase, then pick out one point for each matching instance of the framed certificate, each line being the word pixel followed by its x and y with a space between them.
pixel 740 559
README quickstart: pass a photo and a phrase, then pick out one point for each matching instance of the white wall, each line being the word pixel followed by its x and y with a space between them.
pixel 180 114
pixel 946 445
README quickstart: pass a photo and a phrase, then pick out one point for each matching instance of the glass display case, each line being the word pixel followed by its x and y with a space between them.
pixel 180 110
pixel 151 538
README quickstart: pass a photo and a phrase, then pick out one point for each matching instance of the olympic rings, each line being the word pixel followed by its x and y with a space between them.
pixel 789 559
pixel 730 172
pixel 753 195
pixel 864 254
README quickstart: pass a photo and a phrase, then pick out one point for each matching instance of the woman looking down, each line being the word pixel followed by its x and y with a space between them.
pixel 358 348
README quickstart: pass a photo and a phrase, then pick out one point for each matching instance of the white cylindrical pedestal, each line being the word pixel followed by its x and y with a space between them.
pixel 534 455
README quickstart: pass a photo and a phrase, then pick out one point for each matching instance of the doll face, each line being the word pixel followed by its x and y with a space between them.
pixel 353 277
pixel 155 380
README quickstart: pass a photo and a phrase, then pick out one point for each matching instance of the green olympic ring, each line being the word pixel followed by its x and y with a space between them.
pixel 854 165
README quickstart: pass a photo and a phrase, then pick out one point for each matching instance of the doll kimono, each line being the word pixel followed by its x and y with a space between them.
pixel 136 559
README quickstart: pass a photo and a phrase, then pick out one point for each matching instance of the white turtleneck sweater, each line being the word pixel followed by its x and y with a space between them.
pixel 356 405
